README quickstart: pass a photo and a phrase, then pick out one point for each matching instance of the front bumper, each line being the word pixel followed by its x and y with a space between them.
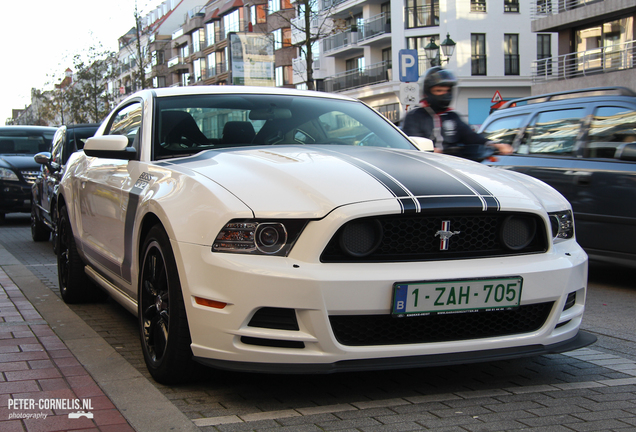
pixel 15 197
pixel 582 339
pixel 315 291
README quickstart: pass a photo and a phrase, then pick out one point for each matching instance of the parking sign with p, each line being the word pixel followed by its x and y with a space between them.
pixel 409 70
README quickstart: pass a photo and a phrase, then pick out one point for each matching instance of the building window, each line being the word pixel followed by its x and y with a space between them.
pixel 211 65
pixel 158 58
pixel 511 54
pixel 422 13
pixel 209 33
pixel 544 54
pixel 356 63
pixel 418 43
pixel 511 6
pixel 158 82
pixel 199 69
pixel 276 5
pixel 478 53
pixel 390 111
pixel 478 5
pixel 258 14
pixel 198 40
pixel 232 22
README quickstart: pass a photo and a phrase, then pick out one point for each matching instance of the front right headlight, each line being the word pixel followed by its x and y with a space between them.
pixel 7 174
pixel 562 224
pixel 252 236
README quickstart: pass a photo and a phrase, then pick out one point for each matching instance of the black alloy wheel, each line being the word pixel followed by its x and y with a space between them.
pixel 39 231
pixel 163 325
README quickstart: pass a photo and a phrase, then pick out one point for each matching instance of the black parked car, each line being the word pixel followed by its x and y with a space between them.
pixel 18 170
pixel 68 139
pixel 583 143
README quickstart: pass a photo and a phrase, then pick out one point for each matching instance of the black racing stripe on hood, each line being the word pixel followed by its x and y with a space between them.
pixel 478 187
pixel 404 175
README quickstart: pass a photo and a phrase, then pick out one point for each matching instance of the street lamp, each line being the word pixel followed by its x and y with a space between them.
pixel 432 50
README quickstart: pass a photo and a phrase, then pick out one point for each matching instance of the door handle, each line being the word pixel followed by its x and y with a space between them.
pixel 580 177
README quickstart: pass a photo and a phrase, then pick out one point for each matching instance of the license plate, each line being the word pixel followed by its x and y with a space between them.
pixel 456 296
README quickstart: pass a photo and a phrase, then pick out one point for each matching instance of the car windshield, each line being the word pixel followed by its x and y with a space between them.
pixel 17 142
pixel 189 124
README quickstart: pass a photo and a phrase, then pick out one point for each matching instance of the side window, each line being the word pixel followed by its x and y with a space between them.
pixel 553 132
pixel 58 145
pixel 610 127
pixel 127 121
pixel 504 130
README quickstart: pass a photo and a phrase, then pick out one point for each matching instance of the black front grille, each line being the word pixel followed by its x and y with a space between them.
pixel 367 330
pixel 413 238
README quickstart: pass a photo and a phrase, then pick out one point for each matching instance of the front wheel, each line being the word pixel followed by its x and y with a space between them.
pixel 163 325
pixel 39 231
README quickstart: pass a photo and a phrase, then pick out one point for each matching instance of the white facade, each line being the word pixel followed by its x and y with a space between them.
pixel 458 18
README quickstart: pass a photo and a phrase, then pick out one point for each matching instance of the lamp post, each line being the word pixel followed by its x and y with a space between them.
pixel 432 50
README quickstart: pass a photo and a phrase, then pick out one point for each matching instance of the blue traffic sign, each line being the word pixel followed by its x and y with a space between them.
pixel 409 70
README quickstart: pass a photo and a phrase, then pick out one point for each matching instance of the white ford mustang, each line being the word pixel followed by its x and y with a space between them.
pixel 300 232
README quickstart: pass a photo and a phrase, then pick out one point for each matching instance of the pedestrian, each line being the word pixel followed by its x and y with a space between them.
pixel 435 120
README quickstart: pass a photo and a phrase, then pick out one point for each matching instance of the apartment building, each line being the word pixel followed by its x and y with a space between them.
pixel 494 52
pixel 595 44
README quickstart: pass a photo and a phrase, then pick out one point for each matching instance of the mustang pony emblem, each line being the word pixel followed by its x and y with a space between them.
pixel 444 234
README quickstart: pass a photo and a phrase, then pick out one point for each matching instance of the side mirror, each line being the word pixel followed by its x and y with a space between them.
pixel 626 152
pixel 423 144
pixel 43 158
pixel 109 146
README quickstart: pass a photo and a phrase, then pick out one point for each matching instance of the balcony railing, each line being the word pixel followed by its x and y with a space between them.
pixel 332 3
pixel 423 16
pixel 174 61
pixel 375 26
pixel 543 8
pixel 584 63
pixel 372 74
pixel 340 40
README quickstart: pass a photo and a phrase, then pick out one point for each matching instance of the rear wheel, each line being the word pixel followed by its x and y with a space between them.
pixel 39 231
pixel 75 286
pixel 163 325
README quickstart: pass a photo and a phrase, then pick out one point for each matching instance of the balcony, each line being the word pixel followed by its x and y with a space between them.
pixel 341 43
pixel 372 74
pixel 585 63
pixel 176 64
pixel 543 8
pixel 422 16
pixel 374 27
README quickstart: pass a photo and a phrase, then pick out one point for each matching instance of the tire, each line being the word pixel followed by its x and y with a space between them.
pixel 75 285
pixel 39 231
pixel 163 324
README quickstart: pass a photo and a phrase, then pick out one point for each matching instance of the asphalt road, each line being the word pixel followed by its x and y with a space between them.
pixel 589 390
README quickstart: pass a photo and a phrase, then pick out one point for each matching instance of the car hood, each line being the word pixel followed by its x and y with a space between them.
pixel 311 181
pixel 18 162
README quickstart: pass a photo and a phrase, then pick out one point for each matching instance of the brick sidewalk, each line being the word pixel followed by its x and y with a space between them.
pixel 39 371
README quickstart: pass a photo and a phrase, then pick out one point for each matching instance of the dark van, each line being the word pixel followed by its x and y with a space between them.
pixel 583 143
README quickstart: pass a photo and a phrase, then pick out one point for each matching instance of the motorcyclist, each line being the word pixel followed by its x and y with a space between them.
pixel 436 121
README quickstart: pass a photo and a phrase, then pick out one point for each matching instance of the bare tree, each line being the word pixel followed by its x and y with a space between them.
pixel 312 25
pixel 141 52
pixel 88 98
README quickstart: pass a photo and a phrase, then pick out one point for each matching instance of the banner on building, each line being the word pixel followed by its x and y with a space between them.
pixel 252 59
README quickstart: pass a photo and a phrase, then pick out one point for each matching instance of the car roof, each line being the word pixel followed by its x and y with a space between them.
pixel 227 90
pixel 26 128
pixel 578 95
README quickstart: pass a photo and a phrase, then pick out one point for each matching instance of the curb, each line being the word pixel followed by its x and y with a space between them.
pixel 138 400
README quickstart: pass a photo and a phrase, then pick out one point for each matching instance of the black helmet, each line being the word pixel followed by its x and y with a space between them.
pixel 437 76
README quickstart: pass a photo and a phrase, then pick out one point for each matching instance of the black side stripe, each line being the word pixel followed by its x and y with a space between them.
pixel 131 213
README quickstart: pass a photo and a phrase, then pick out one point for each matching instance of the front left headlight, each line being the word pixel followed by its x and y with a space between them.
pixel 7 174
pixel 562 224
pixel 261 237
